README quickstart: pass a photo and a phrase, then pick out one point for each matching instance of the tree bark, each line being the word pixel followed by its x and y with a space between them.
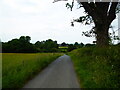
pixel 102 35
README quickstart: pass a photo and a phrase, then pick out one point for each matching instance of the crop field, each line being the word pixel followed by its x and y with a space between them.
pixel 63 49
pixel 17 69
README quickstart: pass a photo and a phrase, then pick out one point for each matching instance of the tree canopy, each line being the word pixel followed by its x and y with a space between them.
pixel 23 45
pixel 102 13
pixel 47 46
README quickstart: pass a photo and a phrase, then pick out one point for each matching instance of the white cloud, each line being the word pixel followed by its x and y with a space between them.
pixel 40 19
pixel 26 6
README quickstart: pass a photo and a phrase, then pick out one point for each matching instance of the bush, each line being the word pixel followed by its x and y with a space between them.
pixel 97 67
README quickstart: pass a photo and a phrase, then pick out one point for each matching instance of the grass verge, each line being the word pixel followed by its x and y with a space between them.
pixel 19 68
pixel 97 67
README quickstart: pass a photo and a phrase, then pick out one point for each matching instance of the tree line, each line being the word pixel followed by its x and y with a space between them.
pixel 23 45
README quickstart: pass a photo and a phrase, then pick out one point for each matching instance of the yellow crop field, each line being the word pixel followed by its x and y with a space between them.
pixel 18 68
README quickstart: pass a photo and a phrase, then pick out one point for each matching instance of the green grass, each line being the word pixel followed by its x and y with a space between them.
pixel 17 69
pixel 97 67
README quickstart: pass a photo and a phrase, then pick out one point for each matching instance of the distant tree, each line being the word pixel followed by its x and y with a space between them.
pixel 28 38
pixel 39 44
pixel 25 39
pixel 22 39
pixel 50 46
pixel 81 44
pixel 76 43
pixel 71 47
pixel 89 45
pixel 21 45
pixel 14 45
pixel 5 47
pixel 63 44
pixel 47 46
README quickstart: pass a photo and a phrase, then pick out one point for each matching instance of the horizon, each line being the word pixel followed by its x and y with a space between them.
pixel 48 39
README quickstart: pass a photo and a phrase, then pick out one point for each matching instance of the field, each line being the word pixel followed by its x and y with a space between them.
pixel 97 67
pixel 17 69
pixel 63 49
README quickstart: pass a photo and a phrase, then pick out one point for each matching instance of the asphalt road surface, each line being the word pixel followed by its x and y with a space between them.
pixel 59 74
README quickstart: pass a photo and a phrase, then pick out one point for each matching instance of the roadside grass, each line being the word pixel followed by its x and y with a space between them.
pixel 97 67
pixel 17 69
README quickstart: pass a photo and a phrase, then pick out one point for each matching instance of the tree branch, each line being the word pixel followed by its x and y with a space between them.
pixel 102 7
pixel 90 9
pixel 112 12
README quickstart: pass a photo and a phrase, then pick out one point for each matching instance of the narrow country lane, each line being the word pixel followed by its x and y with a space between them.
pixel 59 74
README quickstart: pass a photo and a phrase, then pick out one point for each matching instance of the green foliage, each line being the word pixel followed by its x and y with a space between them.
pixel 63 44
pixel 97 67
pixel 74 46
pixel 47 46
pixel 17 69
pixel 71 47
pixel 25 39
pixel 21 45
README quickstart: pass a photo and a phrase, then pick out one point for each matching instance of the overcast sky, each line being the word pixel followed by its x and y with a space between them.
pixel 41 20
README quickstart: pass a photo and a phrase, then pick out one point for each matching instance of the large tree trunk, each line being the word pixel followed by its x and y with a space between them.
pixel 102 34
pixel 102 14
